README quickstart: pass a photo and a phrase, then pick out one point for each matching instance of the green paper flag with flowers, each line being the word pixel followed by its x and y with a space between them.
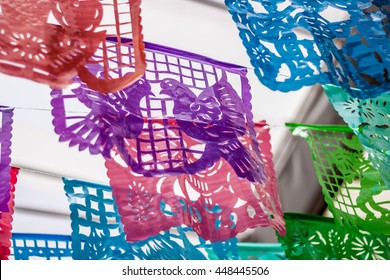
pixel 312 237
pixel 353 189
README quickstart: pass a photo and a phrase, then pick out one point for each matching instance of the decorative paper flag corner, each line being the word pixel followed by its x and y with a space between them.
pixel 370 121
pixel 312 237
pixel 97 232
pixel 6 218
pixel 293 43
pixel 123 57
pixel 215 202
pixel 52 41
pixel 43 52
pixel 6 120
pixel 184 98
pixel 31 246
pixel 353 189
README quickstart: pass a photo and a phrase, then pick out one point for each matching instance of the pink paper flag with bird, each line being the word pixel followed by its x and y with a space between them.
pixel 215 202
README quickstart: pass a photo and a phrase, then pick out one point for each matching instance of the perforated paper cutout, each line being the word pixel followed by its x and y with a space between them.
pixel 215 202
pixel 32 48
pixel 6 219
pixel 296 43
pixel 370 121
pixel 30 246
pixel 123 58
pixel 311 237
pixel 183 97
pixel 353 189
pixel 6 120
pixel 51 41
pixel 97 232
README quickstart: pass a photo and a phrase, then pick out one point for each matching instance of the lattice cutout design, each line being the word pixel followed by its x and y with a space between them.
pixel 98 234
pixel 123 58
pixel 51 41
pixel 6 120
pixel 40 247
pixel 311 237
pixel 370 121
pixel 33 48
pixel 215 202
pixel 29 246
pixel 353 189
pixel 296 43
pixel 183 97
pixel 6 219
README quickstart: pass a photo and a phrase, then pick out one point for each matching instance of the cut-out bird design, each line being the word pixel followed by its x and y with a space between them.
pixel 112 119
pixel 216 118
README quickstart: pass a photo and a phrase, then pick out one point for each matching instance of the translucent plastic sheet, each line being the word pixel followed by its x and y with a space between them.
pixel 353 189
pixel 215 203
pixel 183 99
pixel 6 120
pixel 370 121
pixel 51 41
pixel 311 237
pixel 6 219
pixel 296 43
pixel 97 232
pixel 261 251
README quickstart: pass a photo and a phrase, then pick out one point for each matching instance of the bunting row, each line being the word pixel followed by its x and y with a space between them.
pixel 183 154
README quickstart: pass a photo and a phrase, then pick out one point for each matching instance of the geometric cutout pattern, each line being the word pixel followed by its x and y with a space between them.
pixel 370 121
pixel 97 232
pixel 40 246
pixel 353 189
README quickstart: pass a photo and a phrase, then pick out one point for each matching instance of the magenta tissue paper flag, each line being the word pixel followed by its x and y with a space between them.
pixel 214 202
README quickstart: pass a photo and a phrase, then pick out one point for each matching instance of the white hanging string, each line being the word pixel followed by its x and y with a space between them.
pixel 84 112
